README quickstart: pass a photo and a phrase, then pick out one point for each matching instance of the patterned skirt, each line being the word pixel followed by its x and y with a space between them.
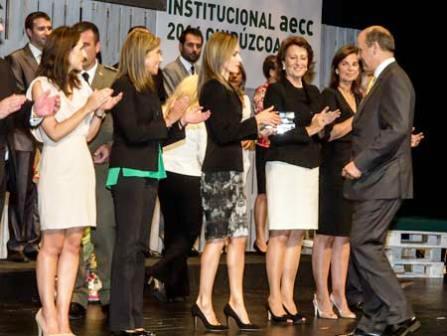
pixel 224 205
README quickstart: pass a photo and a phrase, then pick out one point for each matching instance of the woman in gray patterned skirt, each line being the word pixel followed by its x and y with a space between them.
pixel 223 199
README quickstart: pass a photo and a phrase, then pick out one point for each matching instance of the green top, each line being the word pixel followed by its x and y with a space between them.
pixel 114 173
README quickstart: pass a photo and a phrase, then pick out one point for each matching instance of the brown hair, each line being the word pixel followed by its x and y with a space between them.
pixel 132 61
pixel 302 43
pixel 55 63
pixel 218 50
pixel 339 56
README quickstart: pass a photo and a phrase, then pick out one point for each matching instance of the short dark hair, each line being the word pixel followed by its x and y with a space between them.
pixel 29 21
pixel 302 43
pixel 83 26
pixel 192 31
pixel 269 64
pixel 382 36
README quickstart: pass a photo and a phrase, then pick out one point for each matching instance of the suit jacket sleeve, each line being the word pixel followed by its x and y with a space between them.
pixel 17 71
pixel 125 117
pixel 168 82
pixel 222 129
pixel 394 119
pixel 274 96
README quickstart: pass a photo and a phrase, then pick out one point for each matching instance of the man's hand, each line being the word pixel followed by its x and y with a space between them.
pixel 351 172
pixel 416 138
pixel 11 104
pixel 102 154
pixel 45 105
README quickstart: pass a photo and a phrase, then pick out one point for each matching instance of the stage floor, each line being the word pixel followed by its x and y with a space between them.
pixel 428 296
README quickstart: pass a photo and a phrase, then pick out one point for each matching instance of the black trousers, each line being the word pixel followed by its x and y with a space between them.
pixel 181 206
pixel 23 222
pixel 134 202
pixel 384 301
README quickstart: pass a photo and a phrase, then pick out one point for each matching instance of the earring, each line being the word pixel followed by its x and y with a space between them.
pixel 336 71
pixel 284 66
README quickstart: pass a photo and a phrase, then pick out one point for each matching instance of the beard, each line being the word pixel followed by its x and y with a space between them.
pixel 192 58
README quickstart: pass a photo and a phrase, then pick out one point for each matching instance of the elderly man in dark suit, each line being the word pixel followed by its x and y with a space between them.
pixel 190 46
pixel 379 177
pixel 23 217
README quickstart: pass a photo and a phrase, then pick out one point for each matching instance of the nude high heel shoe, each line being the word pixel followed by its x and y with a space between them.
pixel 39 322
pixel 343 314
pixel 321 314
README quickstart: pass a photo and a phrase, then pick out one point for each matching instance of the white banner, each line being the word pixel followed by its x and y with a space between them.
pixel 259 24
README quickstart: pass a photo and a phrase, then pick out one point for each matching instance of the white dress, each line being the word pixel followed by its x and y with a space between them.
pixel 66 188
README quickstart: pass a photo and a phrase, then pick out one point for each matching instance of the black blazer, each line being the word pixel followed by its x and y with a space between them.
pixel 224 127
pixel 381 139
pixel 295 146
pixel 138 128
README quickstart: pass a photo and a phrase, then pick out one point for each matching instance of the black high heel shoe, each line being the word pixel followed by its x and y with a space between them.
pixel 229 312
pixel 296 318
pixel 276 319
pixel 198 314
pixel 257 249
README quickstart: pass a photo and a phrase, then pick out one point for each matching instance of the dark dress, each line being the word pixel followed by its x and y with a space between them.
pixel 335 212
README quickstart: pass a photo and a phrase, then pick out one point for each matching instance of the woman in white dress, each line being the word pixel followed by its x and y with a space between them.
pixel 67 180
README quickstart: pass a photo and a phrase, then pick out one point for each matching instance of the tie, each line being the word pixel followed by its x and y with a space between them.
pixel 370 84
pixel 192 70
pixel 86 76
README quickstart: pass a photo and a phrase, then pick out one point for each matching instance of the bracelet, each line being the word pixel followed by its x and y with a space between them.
pixel 100 114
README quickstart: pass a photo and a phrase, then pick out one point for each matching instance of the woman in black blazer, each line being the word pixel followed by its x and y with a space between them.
pixel 292 173
pixel 223 199
pixel 135 168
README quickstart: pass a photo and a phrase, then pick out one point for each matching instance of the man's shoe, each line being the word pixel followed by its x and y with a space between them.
pixel 17 256
pixel 77 311
pixel 31 251
pixel 405 328
pixel 359 332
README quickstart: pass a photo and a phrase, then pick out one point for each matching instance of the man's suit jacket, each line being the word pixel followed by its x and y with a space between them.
pixel 104 78
pixel 174 73
pixel 381 139
pixel 24 67
pixel 7 88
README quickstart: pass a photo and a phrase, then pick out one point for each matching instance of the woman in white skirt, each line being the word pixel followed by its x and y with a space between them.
pixel 292 172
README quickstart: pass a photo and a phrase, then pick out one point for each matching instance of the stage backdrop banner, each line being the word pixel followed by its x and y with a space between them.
pixel 259 24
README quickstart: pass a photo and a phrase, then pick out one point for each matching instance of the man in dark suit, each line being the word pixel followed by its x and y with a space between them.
pixel 190 46
pixel 379 177
pixel 103 236
pixel 10 103
pixel 24 225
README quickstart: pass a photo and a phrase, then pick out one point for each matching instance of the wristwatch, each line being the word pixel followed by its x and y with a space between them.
pixel 100 114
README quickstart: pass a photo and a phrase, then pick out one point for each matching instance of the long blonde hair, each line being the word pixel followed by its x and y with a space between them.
pixel 219 49
pixel 132 61
pixel 187 87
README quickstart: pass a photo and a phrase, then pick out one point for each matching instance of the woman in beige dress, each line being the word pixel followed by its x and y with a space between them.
pixel 67 179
